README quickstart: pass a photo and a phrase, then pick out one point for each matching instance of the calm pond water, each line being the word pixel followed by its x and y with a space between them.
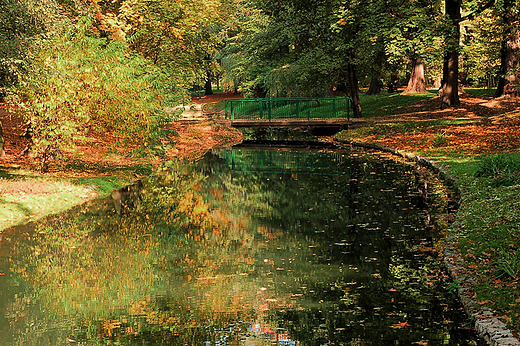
pixel 245 247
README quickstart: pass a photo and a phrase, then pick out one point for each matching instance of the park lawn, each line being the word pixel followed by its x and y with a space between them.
pixel 479 147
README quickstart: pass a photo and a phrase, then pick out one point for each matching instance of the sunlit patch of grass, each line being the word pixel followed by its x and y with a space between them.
pixel 481 91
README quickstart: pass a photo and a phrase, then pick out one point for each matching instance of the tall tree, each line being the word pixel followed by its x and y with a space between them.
pixel 18 24
pixel 413 38
pixel 510 47
pixel 450 73
pixel 417 82
pixel 177 34
pixel 2 141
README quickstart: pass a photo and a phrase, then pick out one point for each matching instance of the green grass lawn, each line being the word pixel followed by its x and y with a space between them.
pixel 480 91
pixel 390 104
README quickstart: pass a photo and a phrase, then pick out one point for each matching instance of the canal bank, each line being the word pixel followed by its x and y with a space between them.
pixel 487 325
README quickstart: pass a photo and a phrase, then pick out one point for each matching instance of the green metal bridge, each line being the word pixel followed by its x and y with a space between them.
pixel 290 111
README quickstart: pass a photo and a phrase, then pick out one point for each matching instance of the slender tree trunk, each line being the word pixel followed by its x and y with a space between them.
pixel 450 80
pixel 509 56
pixel 2 141
pixel 417 82
pixel 353 86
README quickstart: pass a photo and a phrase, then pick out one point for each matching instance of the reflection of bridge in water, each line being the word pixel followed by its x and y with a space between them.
pixel 301 158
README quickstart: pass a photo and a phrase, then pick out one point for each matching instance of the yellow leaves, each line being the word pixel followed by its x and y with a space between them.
pixel 342 22
pixel 200 208
pixel 107 326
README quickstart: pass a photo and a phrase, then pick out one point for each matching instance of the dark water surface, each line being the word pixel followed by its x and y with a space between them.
pixel 246 247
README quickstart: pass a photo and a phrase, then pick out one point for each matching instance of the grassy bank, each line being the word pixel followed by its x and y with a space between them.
pixel 488 230
pixel 478 143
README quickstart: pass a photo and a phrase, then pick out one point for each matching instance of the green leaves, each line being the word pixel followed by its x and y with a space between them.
pixel 87 86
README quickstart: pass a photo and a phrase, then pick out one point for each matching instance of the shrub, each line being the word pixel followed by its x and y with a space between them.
pixel 502 169
pixel 80 86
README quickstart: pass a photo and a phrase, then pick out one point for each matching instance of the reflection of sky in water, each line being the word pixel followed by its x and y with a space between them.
pixel 215 254
pixel 257 334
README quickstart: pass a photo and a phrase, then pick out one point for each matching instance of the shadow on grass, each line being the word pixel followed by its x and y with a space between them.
pixel 17 206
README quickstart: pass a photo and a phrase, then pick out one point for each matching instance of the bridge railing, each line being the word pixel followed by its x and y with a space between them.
pixel 291 108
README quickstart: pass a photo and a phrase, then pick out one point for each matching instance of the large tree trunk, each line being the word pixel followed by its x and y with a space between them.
pixel 417 82
pixel 375 81
pixel 2 148
pixel 353 86
pixel 509 57
pixel 375 86
pixel 450 80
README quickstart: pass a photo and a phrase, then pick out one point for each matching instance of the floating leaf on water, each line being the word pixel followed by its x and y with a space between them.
pixel 400 325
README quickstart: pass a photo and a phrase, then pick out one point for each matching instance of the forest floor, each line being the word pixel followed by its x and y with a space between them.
pixel 457 138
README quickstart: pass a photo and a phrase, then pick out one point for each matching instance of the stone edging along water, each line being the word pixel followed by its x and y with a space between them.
pixel 489 328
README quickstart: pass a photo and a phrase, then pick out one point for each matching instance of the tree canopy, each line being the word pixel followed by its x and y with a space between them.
pixel 121 66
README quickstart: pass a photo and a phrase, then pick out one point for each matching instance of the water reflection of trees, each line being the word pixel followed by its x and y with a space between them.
pixel 209 252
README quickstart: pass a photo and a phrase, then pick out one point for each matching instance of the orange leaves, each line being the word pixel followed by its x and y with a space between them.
pixel 400 325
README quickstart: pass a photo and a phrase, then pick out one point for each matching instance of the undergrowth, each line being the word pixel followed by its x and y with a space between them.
pixel 501 169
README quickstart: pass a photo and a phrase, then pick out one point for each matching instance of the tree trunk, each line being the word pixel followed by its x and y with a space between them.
pixel 375 86
pixel 375 82
pixel 208 86
pixel 353 86
pixel 417 82
pixel 2 142
pixel 509 57
pixel 450 79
